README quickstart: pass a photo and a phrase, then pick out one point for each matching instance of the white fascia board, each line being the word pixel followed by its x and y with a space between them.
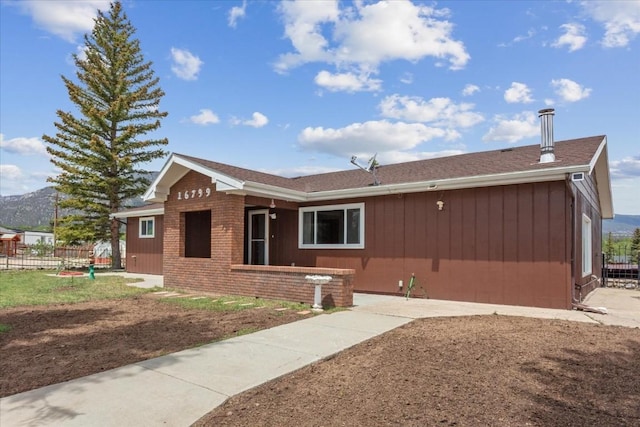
pixel 177 167
pixel 138 213
pixel 600 164
pixel 226 182
pixel 156 194
pixel 272 191
pixel 541 175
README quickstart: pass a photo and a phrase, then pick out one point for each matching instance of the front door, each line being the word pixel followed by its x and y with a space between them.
pixel 259 237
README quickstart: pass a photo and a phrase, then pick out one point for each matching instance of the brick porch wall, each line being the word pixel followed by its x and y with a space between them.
pixel 224 272
pixel 289 283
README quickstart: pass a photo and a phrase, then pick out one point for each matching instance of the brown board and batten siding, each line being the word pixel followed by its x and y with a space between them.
pixel 144 255
pixel 503 245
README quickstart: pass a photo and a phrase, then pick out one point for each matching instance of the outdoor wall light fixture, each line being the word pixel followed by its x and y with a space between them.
pixel 272 215
pixel 273 204
pixel 440 204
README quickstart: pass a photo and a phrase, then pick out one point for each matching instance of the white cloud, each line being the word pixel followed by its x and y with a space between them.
pixel 406 78
pixel 257 120
pixel 12 180
pixel 569 90
pixel 347 82
pixel 518 92
pixel 519 38
pixel 520 126
pixel 573 37
pixel 367 138
pixel 10 172
pixel 65 19
pixel 408 156
pixel 206 117
pixel 440 112
pixel 185 64
pixel 236 13
pixel 625 195
pixel 629 167
pixel 359 38
pixel 621 20
pixel 23 146
pixel 300 171
pixel 15 179
pixel 470 89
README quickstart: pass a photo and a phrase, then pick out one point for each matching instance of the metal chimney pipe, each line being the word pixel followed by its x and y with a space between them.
pixel 547 154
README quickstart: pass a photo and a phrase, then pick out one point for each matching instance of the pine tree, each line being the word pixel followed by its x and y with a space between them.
pixel 99 151
pixel 609 248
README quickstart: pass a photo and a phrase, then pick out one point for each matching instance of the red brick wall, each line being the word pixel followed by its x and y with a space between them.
pixel 223 272
pixel 289 283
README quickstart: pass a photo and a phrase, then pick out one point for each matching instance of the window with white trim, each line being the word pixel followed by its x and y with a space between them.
pixel 147 229
pixel 587 251
pixel 331 227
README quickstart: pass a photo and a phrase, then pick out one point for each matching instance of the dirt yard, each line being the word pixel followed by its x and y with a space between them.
pixel 468 371
pixel 48 345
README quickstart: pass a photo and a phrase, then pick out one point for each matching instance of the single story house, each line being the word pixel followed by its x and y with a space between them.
pixel 37 237
pixel 518 226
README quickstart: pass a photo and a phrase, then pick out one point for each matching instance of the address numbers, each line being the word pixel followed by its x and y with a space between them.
pixel 194 194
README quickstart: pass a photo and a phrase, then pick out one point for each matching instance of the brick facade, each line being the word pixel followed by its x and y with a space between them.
pixel 224 272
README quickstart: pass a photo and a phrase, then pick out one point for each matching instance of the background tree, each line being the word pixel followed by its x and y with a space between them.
pixel 99 150
pixel 609 247
pixel 635 246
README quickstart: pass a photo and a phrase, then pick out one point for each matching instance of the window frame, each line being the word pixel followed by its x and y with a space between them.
pixel 587 246
pixel 147 219
pixel 344 208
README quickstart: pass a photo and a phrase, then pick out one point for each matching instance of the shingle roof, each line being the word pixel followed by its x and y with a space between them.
pixel 575 152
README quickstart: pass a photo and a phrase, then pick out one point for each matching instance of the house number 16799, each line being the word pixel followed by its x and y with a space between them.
pixel 192 194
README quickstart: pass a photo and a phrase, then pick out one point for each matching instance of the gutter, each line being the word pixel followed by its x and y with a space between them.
pixel 541 175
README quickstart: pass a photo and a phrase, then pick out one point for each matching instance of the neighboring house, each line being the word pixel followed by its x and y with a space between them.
pixel 144 232
pixel 518 226
pixel 35 237
pixel 9 240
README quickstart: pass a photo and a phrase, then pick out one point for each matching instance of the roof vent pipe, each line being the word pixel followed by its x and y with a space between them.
pixel 546 129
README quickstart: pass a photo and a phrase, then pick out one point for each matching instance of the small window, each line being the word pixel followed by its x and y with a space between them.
pixel 147 228
pixel 332 227
pixel 587 248
pixel 197 234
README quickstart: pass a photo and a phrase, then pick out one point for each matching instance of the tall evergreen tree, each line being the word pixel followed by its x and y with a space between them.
pixel 100 149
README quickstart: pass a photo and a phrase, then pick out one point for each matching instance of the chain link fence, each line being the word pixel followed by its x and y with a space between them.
pixel 47 257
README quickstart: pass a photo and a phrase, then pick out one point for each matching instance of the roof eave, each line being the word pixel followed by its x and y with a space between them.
pixel 540 175
pixel 600 165
pixel 138 213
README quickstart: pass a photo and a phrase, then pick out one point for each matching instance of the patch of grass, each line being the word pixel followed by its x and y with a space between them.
pixel 230 303
pixel 42 287
pixel 4 328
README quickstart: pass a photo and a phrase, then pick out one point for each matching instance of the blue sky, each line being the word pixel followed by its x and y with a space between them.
pixel 299 87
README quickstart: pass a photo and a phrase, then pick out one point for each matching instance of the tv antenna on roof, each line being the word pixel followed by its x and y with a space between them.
pixel 371 167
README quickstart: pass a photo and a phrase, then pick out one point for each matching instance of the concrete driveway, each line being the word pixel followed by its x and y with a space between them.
pixel 623 308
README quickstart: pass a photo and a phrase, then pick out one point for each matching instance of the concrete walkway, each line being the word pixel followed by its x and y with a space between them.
pixel 177 389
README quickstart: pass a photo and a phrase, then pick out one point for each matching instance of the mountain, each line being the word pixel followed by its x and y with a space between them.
pixel 28 210
pixel 622 225
pixel 37 209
